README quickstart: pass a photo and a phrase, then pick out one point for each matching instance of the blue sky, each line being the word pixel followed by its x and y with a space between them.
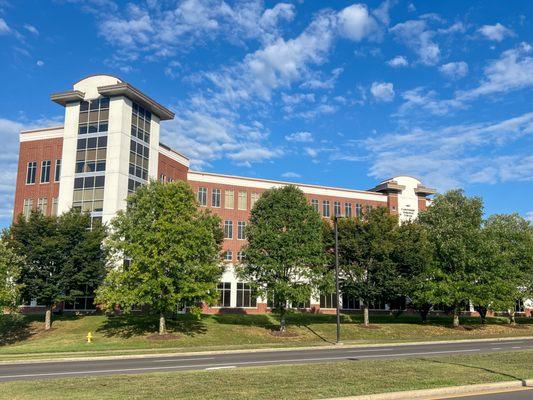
pixel 334 93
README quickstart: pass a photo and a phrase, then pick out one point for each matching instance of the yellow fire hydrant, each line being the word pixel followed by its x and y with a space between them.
pixel 89 337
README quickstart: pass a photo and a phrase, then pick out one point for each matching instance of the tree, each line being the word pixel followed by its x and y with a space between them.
pixel 284 257
pixel 419 279
pixel 10 266
pixel 62 255
pixel 453 222
pixel 505 273
pixel 365 257
pixel 171 249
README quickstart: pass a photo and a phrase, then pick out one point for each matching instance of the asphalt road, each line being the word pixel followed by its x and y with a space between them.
pixel 522 394
pixel 58 369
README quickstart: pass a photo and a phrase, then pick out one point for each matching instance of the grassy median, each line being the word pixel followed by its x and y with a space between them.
pixel 286 382
pixel 24 337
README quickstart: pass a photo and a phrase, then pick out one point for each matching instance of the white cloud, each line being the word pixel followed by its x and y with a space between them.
pixel 4 28
pixel 454 155
pixel 40 63
pixel 529 216
pixel 398 61
pixel 300 137
pixel 31 29
pixel 316 82
pixel 454 70
pixel 496 32
pixel 311 152
pixel 356 23
pixel 416 35
pixel 382 91
pixel 290 175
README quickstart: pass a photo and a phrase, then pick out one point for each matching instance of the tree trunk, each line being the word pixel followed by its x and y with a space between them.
pixel 482 314
pixel 162 324
pixel 424 314
pixel 455 317
pixel 365 315
pixel 282 324
pixel 48 319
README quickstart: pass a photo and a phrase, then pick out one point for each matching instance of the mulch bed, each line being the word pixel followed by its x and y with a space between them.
pixel 285 334
pixel 167 336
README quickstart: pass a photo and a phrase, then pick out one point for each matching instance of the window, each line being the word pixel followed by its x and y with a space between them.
pixel 348 210
pixel 303 304
pixel 377 304
pixel 57 171
pixel 224 294
pixel 83 302
pixel 91 154
pixel 202 196
pixel 253 199
pixel 246 297
pixel 228 255
pixel 349 302
pixel 42 205
pixel 30 173
pixel 241 225
pixel 54 207
pixel 215 198
pixel 26 210
pixel 325 208
pixel 94 116
pixel 328 300
pixel 139 159
pixel 337 208
pixel 314 204
pixel 89 193
pixel 242 200
pixel 140 123
pixel 358 210
pixel 45 171
pixel 368 209
pixel 229 199
pixel 228 229
pixel 162 178
pixel 240 256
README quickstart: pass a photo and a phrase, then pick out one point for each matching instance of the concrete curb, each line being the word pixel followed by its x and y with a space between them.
pixel 260 350
pixel 427 394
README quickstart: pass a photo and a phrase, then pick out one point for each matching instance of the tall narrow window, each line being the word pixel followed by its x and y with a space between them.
pixel 28 205
pixel 348 209
pixel 241 225
pixel 253 199
pixel 337 208
pixel 368 208
pixel 325 208
pixel 242 200
pixel 30 172
pixel 45 171
pixel 54 206
pixel 57 171
pixel 228 229
pixel 314 204
pixel 42 205
pixel 328 300
pixel 358 210
pixel 229 199
pixel 228 256
pixel 215 198
pixel 224 294
pixel 246 297
pixel 202 196
pixel 240 256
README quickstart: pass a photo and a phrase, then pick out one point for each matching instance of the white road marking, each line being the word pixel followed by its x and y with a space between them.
pixel 183 359
pixel 226 367
pixel 364 351
pixel 496 348
pixel 516 347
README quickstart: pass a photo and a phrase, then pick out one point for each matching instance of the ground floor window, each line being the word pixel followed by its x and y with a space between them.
pixel 224 294
pixel 302 304
pixel 350 302
pixel 519 306
pixel 377 304
pixel 246 297
pixel 84 302
pixel 328 300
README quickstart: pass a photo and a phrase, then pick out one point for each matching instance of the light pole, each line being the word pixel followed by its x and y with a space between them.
pixel 337 278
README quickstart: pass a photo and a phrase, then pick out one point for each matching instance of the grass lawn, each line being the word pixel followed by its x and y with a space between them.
pixel 286 382
pixel 25 337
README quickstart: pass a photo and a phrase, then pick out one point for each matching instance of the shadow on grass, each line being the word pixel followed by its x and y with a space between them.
pixel 490 371
pixel 14 328
pixel 127 326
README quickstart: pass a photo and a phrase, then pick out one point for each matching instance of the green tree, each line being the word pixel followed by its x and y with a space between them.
pixel 62 255
pixel 10 267
pixel 505 272
pixel 419 279
pixel 365 257
pixel 453 222
pixel 172 250
pixel 284 257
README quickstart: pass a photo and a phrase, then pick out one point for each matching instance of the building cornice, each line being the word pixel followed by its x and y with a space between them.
pixel 424 191
pixel 387 187
pixel 125 89
pixel 222 179
pixel 54 132
pixel 69 96
pixel 173 155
